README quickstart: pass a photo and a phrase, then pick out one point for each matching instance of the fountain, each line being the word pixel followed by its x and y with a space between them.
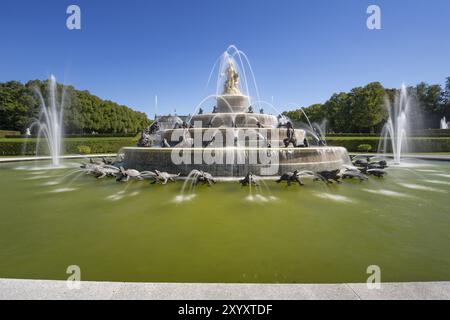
pixel 395 131
pixel 233 139
pixel 444 124
pixel 50 121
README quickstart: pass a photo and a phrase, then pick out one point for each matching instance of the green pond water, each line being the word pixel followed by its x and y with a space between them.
pixel 139 232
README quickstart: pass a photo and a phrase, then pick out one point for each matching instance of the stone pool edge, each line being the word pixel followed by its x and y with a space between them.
pixel 16 289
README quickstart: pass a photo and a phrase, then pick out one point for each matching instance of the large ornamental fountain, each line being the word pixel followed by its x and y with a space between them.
pixel 232 139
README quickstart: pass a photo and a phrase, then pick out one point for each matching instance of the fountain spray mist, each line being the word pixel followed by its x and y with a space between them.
pixel 396 128
pixel 444 123
pixel 50 122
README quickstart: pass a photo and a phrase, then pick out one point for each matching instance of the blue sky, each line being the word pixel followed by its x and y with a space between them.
pixel 301 51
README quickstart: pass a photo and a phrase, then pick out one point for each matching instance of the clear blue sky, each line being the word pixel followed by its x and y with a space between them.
pixel 301 51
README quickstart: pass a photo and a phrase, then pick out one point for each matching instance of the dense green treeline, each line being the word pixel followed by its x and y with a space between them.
pixel 83 112
pixel 363 109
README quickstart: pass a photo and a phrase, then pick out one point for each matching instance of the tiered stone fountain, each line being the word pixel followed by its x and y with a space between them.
pixel 231 141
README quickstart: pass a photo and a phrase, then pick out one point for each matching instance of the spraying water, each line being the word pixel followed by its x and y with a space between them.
pixel 188 190
pixel 50 122
pixel 444 123
pixel 396 128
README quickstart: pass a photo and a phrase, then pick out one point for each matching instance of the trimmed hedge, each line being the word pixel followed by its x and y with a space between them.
pixel 432 144
pixel 5 133
pixel 431 133
pixel 415 133
pixel 84 150
pixel 364 148
pixel 100 135
pixel 18 147
pixel 352 135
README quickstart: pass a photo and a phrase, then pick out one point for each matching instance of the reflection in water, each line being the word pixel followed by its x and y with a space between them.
pixel 183 198
pixel 38 177
pixel 260 198
pixel 438 182
pixel 442 175
pixel 334 197
pixel 61 190
pixel 388 193
pixel 420 187
pixel 50 183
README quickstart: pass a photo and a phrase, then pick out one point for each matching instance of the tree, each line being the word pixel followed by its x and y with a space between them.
pixel 337 111
pixel 83 112
pixel 17 106
pixel 315 112
pixel 362 109
pixel 445 100
pixel 428 108
pixel 367 108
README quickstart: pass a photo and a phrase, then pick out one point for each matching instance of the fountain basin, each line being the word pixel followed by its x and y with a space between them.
pixel 232 103
pixel 242 160
pixel 138 232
